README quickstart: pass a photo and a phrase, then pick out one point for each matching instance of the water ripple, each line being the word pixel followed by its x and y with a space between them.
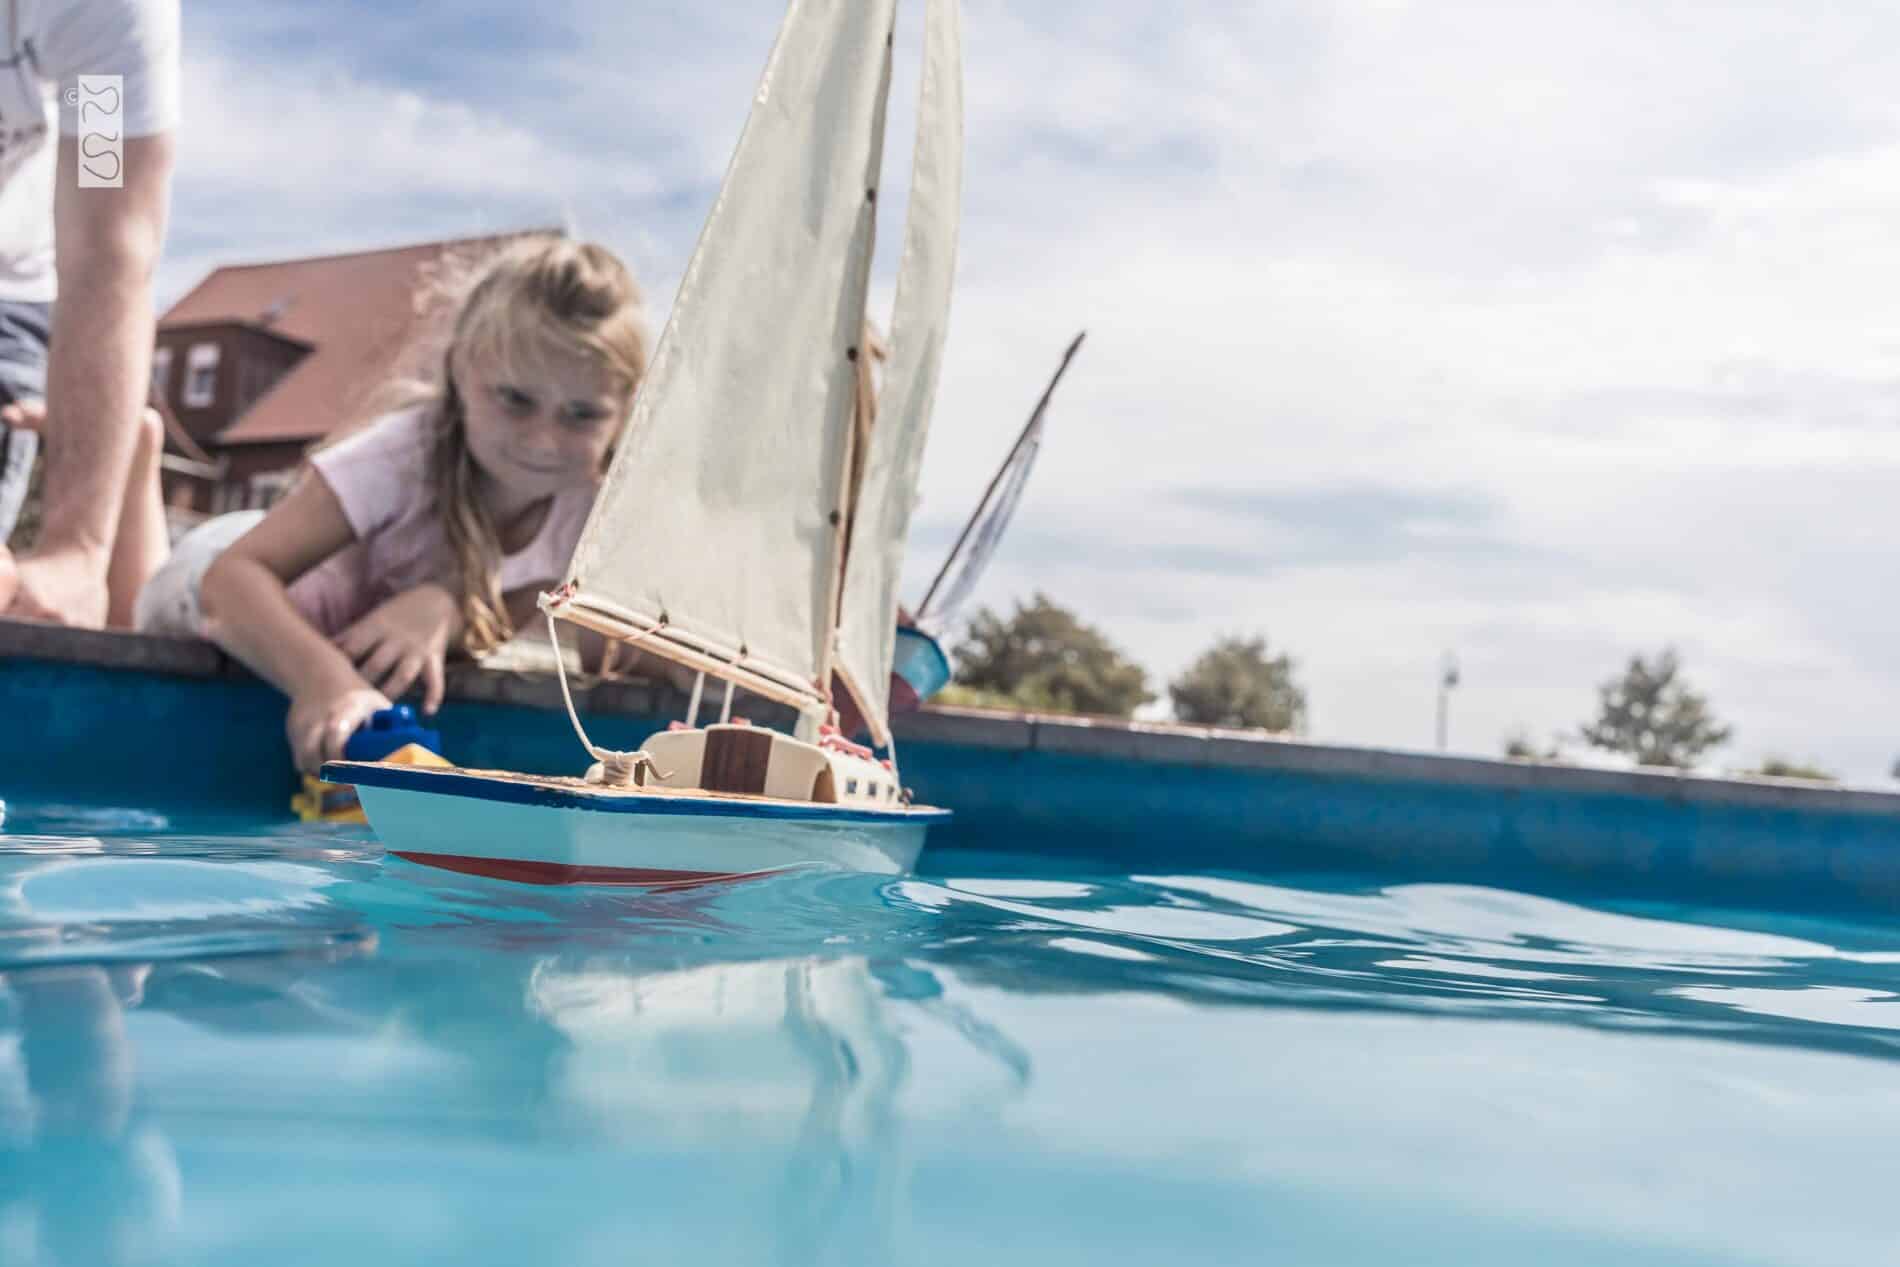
pixel 1451 949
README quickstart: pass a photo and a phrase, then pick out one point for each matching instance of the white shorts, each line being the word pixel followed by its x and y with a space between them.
pixel 169 602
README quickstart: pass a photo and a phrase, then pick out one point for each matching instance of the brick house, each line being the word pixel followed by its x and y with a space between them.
pixel 257 363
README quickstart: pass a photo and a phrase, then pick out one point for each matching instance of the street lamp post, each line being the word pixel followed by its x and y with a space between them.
pixel 1447 678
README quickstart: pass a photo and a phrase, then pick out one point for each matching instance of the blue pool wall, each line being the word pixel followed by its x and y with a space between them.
pixel 170 726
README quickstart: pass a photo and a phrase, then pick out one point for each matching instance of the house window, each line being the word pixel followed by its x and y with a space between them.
pixel 267 487
pixel 161 371
pixel 201 375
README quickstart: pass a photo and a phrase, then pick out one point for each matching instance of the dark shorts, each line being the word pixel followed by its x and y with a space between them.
pixel 25 328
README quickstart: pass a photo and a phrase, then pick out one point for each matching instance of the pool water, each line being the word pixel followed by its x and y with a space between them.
pixel 230 1044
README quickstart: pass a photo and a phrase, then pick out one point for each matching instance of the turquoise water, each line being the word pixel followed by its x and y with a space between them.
pixel 224 1044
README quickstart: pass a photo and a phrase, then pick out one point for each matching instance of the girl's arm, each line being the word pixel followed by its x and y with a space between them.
pixel 248 612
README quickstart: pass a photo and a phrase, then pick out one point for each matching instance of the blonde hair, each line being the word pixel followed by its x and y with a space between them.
pixel 535 293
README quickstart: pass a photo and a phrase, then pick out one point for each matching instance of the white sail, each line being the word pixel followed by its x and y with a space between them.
pixel 714 540
pixel 881 518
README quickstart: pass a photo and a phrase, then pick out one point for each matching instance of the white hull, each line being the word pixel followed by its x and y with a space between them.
pixel 558 831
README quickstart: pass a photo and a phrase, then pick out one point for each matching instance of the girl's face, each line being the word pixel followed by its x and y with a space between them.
pixel 542 424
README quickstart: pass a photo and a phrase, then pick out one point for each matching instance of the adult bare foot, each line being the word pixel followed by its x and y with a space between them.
pixel 65 587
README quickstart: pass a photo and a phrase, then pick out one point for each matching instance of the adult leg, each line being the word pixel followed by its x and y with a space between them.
pixel 24 326
pixel 142 541
pixel 98 375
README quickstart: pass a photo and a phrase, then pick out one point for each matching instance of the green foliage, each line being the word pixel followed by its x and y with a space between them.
pixel 1044 659
pixel 1519 746
pixel 1235 683
pixel 1782 768
pixel 1650 714
pixel 974 697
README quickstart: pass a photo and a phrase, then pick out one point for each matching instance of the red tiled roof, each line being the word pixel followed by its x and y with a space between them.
pixel 357 312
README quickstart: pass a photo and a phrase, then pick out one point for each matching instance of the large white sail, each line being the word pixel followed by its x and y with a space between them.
pixel 715 538
pixel 881 518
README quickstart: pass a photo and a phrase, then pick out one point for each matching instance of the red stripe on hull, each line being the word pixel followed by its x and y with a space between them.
pixel 522 871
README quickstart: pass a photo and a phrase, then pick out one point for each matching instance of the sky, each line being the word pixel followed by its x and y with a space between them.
pixel 1542 333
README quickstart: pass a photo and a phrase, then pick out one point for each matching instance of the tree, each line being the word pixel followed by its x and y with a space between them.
pixel 1043 657
pixel 1650 714
pixel 1234 683
pixel 1519 746
pixel 1782 768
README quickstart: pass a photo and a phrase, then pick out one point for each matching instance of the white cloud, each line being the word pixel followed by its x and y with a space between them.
pixel 1618 271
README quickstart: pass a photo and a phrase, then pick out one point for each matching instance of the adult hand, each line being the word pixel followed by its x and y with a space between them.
pixel 28 415
pixel 405 640
pixel 320 724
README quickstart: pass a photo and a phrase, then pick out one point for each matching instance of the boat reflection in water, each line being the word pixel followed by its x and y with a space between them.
pixel 798 1063
pixel 86 1178
pixel 316 1034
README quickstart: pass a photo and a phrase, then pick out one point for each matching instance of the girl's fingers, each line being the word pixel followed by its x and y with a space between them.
pixel 355 642
pixel 399 678
pixel 337 733
pixel 378 664
pixel 363 637
pixel 432 685
pixel 305 746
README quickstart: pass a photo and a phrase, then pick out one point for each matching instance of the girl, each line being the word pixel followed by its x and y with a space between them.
pixel 433 527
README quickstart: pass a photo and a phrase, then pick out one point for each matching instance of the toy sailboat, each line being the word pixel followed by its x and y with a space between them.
pixel 721 537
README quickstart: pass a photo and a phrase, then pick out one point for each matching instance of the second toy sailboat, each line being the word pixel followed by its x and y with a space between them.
pixel 721 537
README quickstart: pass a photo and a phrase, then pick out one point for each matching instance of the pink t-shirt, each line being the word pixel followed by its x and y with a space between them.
pixel 380 476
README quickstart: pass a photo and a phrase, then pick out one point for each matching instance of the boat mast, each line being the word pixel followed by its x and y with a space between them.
pixel 858 286
pixel 976 516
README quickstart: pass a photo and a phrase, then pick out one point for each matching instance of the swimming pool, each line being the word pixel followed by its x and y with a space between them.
pixel 226 1043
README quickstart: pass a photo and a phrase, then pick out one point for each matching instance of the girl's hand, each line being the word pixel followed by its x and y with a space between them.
pixel 405 639
pixel 320 724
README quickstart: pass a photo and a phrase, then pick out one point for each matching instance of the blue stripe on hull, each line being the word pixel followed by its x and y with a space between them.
pixel 513 791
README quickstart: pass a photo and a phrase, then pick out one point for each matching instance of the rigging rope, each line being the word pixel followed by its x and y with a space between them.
pixel 618 769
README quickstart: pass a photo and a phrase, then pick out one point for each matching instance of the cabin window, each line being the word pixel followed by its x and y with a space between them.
pixel 850 787
pixel 201 375
pixel 161 371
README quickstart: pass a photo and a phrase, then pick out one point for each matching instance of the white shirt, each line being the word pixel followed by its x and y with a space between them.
pixel 47 44
pixel 380 476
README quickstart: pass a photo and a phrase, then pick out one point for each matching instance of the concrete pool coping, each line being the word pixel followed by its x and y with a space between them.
pixel 1144 743
pixel 173 727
